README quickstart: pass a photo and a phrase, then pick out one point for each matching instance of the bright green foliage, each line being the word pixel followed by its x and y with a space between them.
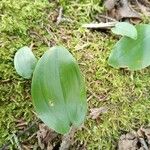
pixel 58 90
pixel 125 29
pixel 25 62
pixel 134 54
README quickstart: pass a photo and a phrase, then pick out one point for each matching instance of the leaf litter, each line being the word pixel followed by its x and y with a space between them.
pixel 47 138
pixel 120 10
pixel 96 112
pixel 139 140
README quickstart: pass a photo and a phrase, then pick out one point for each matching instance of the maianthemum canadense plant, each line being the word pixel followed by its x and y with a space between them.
pixel 58 89
pixel 133 49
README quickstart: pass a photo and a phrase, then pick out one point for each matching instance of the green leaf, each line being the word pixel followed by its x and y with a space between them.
pixel 134 54
pixel 58 90
pixel 125 29
pixel 25 62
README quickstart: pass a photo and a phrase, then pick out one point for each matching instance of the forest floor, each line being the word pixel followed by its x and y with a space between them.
pixel 125 95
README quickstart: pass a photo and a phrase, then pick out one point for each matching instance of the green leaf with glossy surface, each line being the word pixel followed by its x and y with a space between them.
pixel 58 90
pixel 134 54
pixel 125 29
pixel 25 62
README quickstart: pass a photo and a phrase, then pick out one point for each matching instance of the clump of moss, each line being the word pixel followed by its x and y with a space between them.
pixel 18 18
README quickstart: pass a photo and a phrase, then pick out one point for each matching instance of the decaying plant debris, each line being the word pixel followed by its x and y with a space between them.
pixel 120 10
pixel 127 9
pixel 96 112
pixel 139 140
pixel 47 139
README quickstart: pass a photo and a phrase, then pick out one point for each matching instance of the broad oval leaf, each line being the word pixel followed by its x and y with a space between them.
pixel 134 54
pixel 24 62
pixel 58 90
pixel 125 29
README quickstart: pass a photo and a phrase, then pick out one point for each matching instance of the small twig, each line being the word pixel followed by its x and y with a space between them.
pixel 59 18
pixel 31 45
pixel 33 124
pixel 109 18
pixel 5 81
pixel 67 139
pixel 89 98
pixel 34 134
pixel 106 25
pixel 132 75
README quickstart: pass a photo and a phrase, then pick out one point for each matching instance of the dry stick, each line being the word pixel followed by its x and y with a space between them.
pixel 107 25
pixel 67 139
pixel 5 146
pixel 89 98
pixel 59 18
pixel 109 18
pixel 31 45
pixel 5 81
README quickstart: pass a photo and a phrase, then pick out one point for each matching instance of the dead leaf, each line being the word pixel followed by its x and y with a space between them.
pixel 49 147
pixel 144 7
pixel 128 141
pixel 121 9
pixel 139 140
pixel 96 112
pixel 45 136
pixel 144 137
pixel 143 2
pixel 109 4
pixel 124 10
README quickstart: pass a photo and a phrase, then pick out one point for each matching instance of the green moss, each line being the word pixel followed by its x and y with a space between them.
pixel 18 19
pixel 25 22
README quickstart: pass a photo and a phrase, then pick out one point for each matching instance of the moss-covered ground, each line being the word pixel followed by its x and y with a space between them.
pixel 126 95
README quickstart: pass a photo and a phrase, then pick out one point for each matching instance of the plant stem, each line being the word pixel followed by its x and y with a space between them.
pixel 67 139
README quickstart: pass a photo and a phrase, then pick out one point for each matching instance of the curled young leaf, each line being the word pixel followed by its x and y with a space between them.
pixel 133 54
pixel 125 29
pixel 58 90
pixel 25 62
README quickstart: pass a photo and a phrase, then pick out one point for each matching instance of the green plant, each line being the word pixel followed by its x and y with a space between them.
pixel 131 51
pixel 58 89
pixel 25 62
pixel 125 29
